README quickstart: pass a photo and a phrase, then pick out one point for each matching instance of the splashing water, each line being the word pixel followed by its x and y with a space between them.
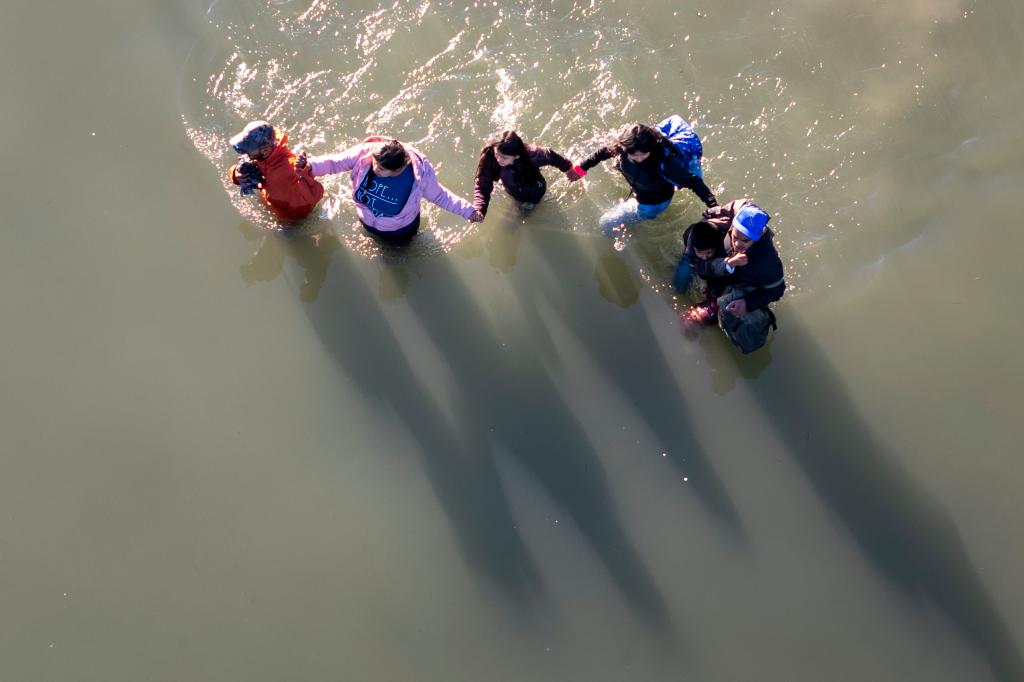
pixel 445 76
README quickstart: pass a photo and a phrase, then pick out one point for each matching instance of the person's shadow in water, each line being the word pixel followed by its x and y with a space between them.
pixel 517 409
pixel 904 533
pixel 499 235
pixel 359 335
pixel 509 404
pixel 498 408
pixel 645 379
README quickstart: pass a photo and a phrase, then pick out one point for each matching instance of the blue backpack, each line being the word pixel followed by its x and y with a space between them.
pixel 685 141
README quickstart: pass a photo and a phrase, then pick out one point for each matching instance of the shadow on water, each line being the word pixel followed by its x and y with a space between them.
pixel 509 404
pixel 499 237
pixel 501 406
pixel 645 379
pixel 904 533
pixel 355 331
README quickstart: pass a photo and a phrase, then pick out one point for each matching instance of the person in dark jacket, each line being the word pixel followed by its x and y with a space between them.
pixel 507 159
pixel 654 169
pixel 703 243
pixel 749 274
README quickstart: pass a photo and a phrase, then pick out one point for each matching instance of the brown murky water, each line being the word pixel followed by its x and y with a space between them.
pixel 229 453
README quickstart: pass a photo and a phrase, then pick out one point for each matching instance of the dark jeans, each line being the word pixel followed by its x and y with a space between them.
pixel 400 236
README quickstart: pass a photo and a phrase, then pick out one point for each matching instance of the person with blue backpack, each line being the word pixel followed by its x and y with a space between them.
pixel 655 162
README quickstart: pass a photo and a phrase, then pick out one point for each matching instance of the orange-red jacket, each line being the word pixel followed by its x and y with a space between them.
pixel 290 192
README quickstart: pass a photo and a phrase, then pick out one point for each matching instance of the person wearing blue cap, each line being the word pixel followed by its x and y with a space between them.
pixel 745 279
pixel 283 181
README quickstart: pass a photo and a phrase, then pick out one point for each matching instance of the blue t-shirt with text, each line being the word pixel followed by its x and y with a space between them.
pixel 385 197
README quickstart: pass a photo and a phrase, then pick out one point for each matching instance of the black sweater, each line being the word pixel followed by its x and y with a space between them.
pixel 521 186
pixel 763 271
pixel 649 179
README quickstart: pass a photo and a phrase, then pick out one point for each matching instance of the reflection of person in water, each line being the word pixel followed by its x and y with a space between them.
pixel 312 251
pixel 389 179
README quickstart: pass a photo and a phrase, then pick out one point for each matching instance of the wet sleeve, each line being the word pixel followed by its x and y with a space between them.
pixel 441 196
pixel 703 192
pixel 482 189
pixel 307 186
pixel 710 268
pixel 602 154
pixel 337 163
pixel 549 157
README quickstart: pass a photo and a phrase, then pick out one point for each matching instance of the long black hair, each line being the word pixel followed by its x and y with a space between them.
pixel 510 144
pixel 639 138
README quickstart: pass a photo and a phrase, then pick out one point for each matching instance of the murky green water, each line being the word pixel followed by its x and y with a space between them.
pixel 233 454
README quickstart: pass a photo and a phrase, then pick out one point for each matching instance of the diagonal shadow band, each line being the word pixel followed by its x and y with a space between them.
pixel 361 340
pixel 902 531
pixel 645 380
pixel 507 401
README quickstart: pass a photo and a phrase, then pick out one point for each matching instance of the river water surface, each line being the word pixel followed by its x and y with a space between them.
pixel 234 453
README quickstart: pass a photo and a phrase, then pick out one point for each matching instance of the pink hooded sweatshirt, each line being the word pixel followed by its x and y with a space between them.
pixel 359 160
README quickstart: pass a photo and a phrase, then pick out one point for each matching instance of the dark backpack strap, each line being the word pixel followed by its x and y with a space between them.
pixel 669 153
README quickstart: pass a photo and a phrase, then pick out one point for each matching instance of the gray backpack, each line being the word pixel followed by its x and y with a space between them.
pixel 749 332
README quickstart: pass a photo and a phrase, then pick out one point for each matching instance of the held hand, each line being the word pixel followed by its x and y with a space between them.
pixel 477 217
pixel 571 175
pixel 737 260
pixel 300 160
pixel 738 308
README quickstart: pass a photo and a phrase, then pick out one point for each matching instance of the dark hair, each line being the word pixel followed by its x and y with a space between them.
pixel 639 138
pixel 391 156
pixel 703 235
pixel 510 144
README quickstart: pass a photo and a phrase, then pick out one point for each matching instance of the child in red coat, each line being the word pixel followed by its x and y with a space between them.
pixel 289 190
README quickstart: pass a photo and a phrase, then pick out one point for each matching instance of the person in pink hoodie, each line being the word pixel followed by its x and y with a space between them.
pixel 389 179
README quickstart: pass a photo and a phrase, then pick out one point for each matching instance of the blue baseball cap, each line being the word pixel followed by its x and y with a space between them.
pixel 253 136
pixel 751 221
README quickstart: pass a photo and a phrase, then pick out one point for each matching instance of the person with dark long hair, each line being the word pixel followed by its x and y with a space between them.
pixel 654 169
pixel 508 160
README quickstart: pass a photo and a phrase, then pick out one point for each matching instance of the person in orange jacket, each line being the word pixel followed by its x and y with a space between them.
pixel 289 189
